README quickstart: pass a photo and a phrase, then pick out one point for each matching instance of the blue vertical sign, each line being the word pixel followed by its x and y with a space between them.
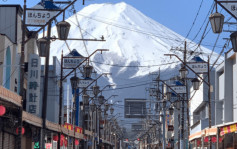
pixel 77 106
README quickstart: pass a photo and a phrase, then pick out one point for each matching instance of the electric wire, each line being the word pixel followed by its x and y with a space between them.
pixel 194 21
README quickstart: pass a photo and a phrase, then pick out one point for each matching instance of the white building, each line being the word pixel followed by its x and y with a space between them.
pixel 199 110
pixel 226 98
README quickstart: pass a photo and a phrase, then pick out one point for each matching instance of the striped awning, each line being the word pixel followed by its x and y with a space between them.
pixel 228 129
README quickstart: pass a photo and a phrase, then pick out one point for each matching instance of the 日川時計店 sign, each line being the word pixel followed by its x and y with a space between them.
pixel 198 67
pixel 33 85
pixel 39 17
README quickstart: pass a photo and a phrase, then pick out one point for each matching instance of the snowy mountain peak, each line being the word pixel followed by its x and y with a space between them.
pixel 132 38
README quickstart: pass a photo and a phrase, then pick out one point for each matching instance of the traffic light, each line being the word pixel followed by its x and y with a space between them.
pixel 138 139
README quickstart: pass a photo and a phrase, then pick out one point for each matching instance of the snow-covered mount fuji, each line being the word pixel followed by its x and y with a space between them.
pixel 132 38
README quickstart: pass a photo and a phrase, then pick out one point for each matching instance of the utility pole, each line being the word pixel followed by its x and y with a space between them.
pixel 182 111
pixel 45 91
pixel 22 74
pixel 209 99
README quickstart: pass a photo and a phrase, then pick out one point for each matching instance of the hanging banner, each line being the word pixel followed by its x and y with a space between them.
pixel 230 6
pixel 179 89
pixel 39 17
pixel 33 85
pixel 198 67
pixel 84 82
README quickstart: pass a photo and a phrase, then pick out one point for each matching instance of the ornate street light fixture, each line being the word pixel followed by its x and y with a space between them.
pixel 87 71
pixel 92 107
pixel 111 110
pixel 168 95
pixel 106 107
pixel 171 110
pixel 195 83
pixel 183 72
pixel 164 103
pixel 85 98
pixel 217 22
pixel 105 115
pixel 233 39
pixel 63 30
pixel 96 90
pixel 43 47
pixel 74 82
pixel 101 99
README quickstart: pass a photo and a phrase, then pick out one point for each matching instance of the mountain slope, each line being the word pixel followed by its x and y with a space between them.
pixel 136 44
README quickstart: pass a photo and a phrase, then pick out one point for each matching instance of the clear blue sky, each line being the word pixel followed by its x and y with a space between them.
pixel 178 15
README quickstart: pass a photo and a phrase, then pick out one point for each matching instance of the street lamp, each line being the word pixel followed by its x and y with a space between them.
pixel 111 110
pixel 106 106
pixel 105 115
pixel 217 22
pixel 74 82
pixel 233 39
pixel 43 46
pixel 63 28
pixel 101 99
pixel 92 107
pixel 96 90
pixel 168 95
pixel 85 98
pixel 164 103
pixel 87 71
pixel 171 110
pixel 196 84
pixel 183 72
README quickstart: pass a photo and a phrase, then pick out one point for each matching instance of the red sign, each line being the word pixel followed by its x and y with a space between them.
pixel 78 129
pixel 206 139
pixel 213 139
pixel 68 126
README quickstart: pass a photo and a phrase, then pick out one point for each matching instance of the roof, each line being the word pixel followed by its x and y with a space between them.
pixel 196 59
pixel 75 53
pixel 46 4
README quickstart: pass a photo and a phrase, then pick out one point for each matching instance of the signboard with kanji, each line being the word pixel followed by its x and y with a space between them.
pixel 198 67
pixel 84 82
pixel 39 17
pixel 72 62
pixel 230 6
pixel 33 85
pixel 179 89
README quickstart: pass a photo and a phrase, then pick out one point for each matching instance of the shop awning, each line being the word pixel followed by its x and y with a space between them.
pixel 206 132
pixel 228 129
pixel 196 135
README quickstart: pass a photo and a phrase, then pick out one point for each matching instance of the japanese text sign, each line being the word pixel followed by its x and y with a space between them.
pixel 33 84
pixel 39 17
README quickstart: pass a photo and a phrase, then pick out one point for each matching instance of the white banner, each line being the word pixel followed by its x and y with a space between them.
pixel 179 89
pixel 198 67
pixel 84 83
pixel 72 62
pixel 39 17
pixel 33 85
pixel 230 6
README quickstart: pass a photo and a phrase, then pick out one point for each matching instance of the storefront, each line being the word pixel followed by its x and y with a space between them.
pixel 221 136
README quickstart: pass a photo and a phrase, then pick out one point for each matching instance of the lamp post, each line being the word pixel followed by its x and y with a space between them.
pixel 217 20
pixel 167 95
pixel 74 82
pixel 61 86
pixel 195 83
